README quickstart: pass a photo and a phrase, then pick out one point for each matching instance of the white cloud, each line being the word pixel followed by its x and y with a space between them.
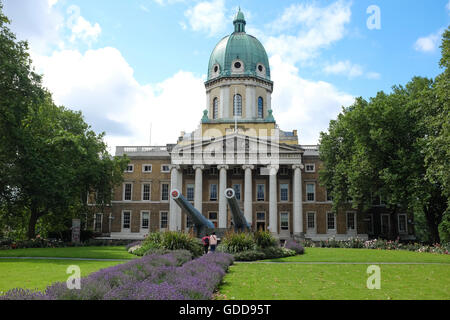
pixel 302 104
pixel 429 43
pixel 80 27
pixel 318 27
pixel 208 17
pixel 101 84
pixel 345 68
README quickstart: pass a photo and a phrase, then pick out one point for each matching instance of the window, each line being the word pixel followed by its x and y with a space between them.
pixel 146 192
pixel 165 168
pixel 145 219
pixel 163 220
pixel 351 223
pixel 260 108
pixel 147 168
pixel 370 223
pixel 215 112
pixel 164 192
pixel 126 220
pixel 127 191
pixel 237 105
pixel 190 192
pixel 130 168
pixel 212 216
pixel 310 192
pixel 311 220
pixel 98 222
pixel 331 221
pixel 284 220
pixel 385 224
pixel 402 223
pixel 260 192
pixel 213 192
pixel 284 192
pixel 261 221
pixel 237 191
pixel 310 167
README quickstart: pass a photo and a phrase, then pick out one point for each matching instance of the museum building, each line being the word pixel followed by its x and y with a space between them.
pixel 238 145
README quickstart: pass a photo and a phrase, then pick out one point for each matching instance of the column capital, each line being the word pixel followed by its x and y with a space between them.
pixel 298 166
pixel 223 166
pixel 248 166
pixel 198 166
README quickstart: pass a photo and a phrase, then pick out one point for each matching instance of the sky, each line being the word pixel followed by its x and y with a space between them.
pixel 136 68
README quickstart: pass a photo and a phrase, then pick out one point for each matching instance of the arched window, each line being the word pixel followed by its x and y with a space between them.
pixel 215 111
pixel 237 105
pixel 260 108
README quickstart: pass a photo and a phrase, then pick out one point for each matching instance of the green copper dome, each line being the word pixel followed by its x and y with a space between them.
pixel 239 54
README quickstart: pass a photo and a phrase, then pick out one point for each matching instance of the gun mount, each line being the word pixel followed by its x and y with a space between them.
pixel 240 223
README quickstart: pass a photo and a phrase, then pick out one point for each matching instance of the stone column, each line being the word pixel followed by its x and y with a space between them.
pixel 248 193
pixel 198 187
pixel 222 200
pixel 273 212
pixel 298 206
pixel 175 210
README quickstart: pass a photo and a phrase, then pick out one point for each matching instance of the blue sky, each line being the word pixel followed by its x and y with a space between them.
pixel 129 64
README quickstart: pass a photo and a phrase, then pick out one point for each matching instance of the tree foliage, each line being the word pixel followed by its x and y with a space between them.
pixel 49 157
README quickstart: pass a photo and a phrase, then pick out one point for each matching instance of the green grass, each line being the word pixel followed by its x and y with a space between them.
pixel 294 281
pixel 38 274
pixel 314 282
pixel 364 255
pixel 71 252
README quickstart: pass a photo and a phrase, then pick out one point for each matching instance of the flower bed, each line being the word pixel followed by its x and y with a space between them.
pixel 379 244
pixel 172 276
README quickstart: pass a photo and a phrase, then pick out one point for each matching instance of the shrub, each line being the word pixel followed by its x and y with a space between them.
pixel 234 242
pixel 264 239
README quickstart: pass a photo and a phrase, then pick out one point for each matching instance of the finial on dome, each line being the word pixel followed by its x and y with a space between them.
pixel 239 21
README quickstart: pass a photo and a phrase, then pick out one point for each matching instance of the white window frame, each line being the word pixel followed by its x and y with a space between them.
pixel 264 192
pixel 147 164
pixel 287 184
pixel 306 191
pixel 149 191
pixel 381 222
pixel 161 191
pixel 131 192
pixel 128 230
pixel 354 221
pixel 160 220
pixel 311 170
pixel 288 224
pixel 406 223
pixel 142 220
pixel 101 221
pixel 314 229
pixel 132 168
pixel 335 222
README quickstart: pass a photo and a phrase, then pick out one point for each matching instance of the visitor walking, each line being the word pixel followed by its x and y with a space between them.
pixel 213 241
pixel 205 241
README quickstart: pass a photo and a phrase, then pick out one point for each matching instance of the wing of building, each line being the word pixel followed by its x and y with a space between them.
pixel 238 145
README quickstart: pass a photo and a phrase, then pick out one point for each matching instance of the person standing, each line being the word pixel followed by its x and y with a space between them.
pixel 205 241
pixel 213 241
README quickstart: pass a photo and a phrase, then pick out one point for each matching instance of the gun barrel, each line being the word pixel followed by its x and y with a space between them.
pixel 238 217
pixel 198 219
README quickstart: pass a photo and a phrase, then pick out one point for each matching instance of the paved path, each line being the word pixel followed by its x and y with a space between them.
pixel 325 262
pixel 59 258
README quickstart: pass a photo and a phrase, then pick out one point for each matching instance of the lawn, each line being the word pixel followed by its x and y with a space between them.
pixel 37 274
pixel 295 281
pixel 105 252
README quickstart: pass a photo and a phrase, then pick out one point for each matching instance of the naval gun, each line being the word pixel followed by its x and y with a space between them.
pixel 240 223
pixel 202 225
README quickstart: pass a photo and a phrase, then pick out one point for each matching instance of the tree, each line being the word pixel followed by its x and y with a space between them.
pixel 50 159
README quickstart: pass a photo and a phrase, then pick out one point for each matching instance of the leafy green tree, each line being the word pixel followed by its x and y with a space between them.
pixel 50 159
